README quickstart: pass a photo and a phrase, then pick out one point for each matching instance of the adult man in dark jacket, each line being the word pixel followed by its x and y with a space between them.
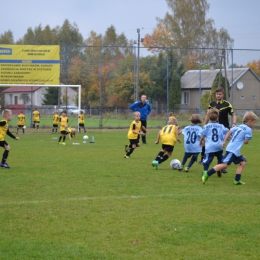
pixel 144 108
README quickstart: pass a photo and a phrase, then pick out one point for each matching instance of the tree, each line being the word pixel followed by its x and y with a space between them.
pixel 254 66
pixel 187 29
pixel 51 96
pixel 7 37
pixel 216 84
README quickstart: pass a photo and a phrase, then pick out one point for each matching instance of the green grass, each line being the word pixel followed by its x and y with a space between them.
pixel 88 202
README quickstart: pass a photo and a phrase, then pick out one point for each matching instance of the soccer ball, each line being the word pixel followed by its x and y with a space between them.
pixel 85 137
pixel 175 164
pixel 24 127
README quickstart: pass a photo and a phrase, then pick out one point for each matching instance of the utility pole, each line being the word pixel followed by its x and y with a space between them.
pixel 137 65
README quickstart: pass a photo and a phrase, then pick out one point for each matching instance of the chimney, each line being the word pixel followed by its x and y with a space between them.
pixel 212 66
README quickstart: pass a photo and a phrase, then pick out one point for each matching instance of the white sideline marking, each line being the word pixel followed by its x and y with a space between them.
pixel 97 198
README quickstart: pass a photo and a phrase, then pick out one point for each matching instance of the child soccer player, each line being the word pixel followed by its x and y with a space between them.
pixel 133 134
pixel 55 122
pixel 191 141
pixel 168 135
pixel 63 121
pixel 71 132
pixel 240 135
pixel 81 121
pixel 36 118
pixel 214 134
pixel 7 115
pixel 21 122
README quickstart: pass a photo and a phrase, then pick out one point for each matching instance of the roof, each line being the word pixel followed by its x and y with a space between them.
pixel 191 79
pixel 20 89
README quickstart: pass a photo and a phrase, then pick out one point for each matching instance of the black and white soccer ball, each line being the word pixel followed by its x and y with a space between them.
pixel 175 164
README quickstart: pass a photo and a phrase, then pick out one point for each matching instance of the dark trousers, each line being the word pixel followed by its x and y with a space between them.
pixel 144 123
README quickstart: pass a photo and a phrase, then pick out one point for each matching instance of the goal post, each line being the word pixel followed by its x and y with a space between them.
pixel 46 86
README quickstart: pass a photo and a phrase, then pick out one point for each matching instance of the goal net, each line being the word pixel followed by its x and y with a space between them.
pixel 24 97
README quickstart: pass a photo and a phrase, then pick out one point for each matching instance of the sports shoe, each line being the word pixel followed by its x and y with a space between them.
pixel 62 143
pixel 238 182
pixel 155 164
pixel 4 165
pixel 126 148
pixel 204 177
pixel 224 171
pixel 200 162
pixel 127 157
pixel 180 168
pixel 219 173
pixel 186 169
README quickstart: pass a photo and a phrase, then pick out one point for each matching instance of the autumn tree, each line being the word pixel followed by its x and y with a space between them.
pixel 186 28
pixel 254 66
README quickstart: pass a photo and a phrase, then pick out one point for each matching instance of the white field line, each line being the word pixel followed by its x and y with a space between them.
pixel 111 198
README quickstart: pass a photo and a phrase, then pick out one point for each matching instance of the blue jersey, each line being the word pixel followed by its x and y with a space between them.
pixel 239 135
pixel 214 133
pixel 192 138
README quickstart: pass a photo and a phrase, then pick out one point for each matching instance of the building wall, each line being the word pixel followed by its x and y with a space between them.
pixel 248 97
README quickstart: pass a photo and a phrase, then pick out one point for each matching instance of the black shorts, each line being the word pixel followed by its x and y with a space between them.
pixel 63 132
pixel 20 126
pixel 167 147
pixel 81 125
pixel 55 125
pixel 3 143
pixel 134 141
pixel 36 122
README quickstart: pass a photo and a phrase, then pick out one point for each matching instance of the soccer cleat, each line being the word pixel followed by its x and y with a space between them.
pixel 62 143
pixel 4 165
pixel 238 182
pixel 180 168
pixel 186 169
pixel 244 158
pixel 224 171
pixel 204 177
pixel 126 148
pixel 219 173
pixel 153 163
pixel 127 157
pixel 156 164
pixel 200 162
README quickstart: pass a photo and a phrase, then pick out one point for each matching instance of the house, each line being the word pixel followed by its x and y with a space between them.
pixel 20 96
pixel 244 87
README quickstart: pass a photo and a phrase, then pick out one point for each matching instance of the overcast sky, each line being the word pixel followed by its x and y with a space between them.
pixel 239 17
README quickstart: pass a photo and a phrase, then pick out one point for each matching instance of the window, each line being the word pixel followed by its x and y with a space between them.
pixel 186 97
pixel 15 100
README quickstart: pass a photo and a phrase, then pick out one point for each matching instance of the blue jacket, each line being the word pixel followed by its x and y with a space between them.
pixel 143 108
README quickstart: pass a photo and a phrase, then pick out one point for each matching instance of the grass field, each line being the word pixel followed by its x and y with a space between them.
pixel 87 202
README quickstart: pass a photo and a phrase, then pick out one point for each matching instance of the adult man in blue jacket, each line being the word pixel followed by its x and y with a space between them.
pixel 144 108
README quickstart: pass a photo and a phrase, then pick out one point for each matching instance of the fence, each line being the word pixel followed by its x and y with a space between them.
pixel 112 77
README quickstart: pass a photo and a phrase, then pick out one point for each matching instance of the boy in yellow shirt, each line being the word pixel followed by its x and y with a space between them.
pixel 21 122
pixel 7 115
pixel 168 136
pixel 63 121
pixel 81 121
pixel 55 122
pixel 133 134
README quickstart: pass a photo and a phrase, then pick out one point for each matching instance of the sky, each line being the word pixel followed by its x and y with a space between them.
pixel 239 17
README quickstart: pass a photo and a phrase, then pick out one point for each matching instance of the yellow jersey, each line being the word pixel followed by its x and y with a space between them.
pixel 63 123
pixel 137 126
pixel 36 115
pixel 3 129
pixel 21 119
pixel 168 135
pixel 81 119
pixel 55 119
